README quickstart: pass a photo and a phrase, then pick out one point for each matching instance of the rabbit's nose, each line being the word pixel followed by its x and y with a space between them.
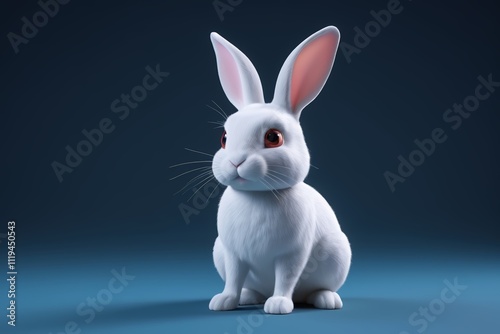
pixel 237 165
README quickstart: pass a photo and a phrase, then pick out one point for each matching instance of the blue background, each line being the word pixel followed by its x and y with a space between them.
pixel 118 209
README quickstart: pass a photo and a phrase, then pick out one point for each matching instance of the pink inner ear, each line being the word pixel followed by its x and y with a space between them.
pixel 311 69
pixel 229 75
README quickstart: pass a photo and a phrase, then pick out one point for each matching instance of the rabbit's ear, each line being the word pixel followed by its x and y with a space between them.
pixel 306 70
pixel 238 76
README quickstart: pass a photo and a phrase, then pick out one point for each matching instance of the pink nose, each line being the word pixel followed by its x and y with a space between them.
pixel 237 165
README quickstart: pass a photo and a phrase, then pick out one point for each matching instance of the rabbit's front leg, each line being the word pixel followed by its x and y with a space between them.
pixel 235 272
pixel 288 269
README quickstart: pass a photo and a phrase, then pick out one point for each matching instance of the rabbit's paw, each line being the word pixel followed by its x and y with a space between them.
pixel 278 305
pixel 325 299
pixel 251 297
pixel 223 302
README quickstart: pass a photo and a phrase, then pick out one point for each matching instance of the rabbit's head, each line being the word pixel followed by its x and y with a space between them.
pixel 263 147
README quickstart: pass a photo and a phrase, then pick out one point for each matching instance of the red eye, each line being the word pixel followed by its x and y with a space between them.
pixel 273 138
pixel 223 139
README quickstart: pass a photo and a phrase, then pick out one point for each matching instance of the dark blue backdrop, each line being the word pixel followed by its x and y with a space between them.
pixel 392 84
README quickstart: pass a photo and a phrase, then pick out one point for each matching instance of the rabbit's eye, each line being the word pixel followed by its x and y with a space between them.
pixel 273 138
pixel 223 139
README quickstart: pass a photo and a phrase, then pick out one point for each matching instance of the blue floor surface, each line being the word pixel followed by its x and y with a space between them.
pixel 170 294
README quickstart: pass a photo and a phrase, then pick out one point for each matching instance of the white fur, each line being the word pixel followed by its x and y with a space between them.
pixel 278 238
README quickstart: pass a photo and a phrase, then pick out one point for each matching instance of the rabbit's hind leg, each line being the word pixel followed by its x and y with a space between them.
pixel 325 273
pixel 325 299
pixel 251 297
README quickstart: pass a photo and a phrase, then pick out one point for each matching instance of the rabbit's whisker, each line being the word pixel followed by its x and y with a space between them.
pixel 197 177
pixel 220 108
pixel 190 162
pixel 269 186
pixel 280 166
pixel 194 186
pixel 190 171
pixel 209 179
pixel 216 122
pixel 210 196
pixel 276 172
pixel 277 180
pixel 195 151
pixel 291 168
pixel 217 111
pixel 275 177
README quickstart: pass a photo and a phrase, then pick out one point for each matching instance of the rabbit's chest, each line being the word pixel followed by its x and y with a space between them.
pixel 259 228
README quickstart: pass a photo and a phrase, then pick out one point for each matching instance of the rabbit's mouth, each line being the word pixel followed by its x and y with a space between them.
pixel 240 180
pixel 242 183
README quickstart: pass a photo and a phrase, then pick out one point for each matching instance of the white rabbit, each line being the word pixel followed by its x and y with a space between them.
pixel 279 239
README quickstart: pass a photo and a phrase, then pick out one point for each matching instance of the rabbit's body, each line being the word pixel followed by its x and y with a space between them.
pixel 253 231
pixel 279 238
